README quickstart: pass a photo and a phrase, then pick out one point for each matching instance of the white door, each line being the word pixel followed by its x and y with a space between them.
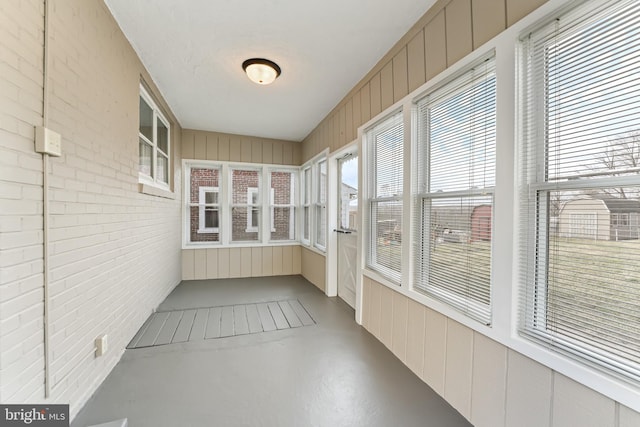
pixel 347 227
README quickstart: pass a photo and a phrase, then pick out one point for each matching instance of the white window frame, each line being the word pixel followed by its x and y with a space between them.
pixel 293 204
pixel 156 152
pixel 225 207
pixel 313 202
pixel 506 235
pixel 305 188
pixel 371 261
pixel 202 207
pixel 320 205
pixel 251 227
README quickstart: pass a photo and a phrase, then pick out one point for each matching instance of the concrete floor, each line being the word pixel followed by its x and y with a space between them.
pixel 333 373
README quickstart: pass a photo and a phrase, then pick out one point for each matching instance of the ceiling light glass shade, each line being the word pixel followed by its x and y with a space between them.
pixel 261 71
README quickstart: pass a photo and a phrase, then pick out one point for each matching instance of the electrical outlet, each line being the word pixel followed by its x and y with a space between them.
pixel 101 345
pixel 48 141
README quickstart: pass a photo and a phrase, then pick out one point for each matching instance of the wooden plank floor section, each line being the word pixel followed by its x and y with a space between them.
pixel 177 326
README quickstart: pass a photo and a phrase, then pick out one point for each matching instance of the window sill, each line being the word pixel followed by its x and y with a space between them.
pixel 152 190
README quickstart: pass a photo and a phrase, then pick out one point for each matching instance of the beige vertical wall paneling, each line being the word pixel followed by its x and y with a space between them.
pixel 488 391
pixel 200 145
pixel 235 148
pixel 235 262
pixel 245 149
pixel 277 152
pixel 376 101
pixel 256 151
pixel 200 264
pixel 416 75
pixel 489 20
pixel 313 268
pixel 224 148
pixel 212 263
pixel 518 9
pixel 435 350
pixel 529 386
pixel 575 404
pixel 246 262
pixel 357 113
pixel 224 268
pixel 386 85
pixel 365 102
pixel 366 303
pixel 256 262
pixel 376 309
pixel 386 316
pixel 415 337
pixel 342 126
pixel 188 148
pixel 457 385
pixel 628 417
pixel 435 45
pixel 349 130
pixel 287 154
pixel 277 260
pixel 400 326
pixel 297 260
pixel 287 260
pixel 212 146
pixel 459 36
pixel 267 151
pixel 400 75
pixel 267 261
pixel 188 265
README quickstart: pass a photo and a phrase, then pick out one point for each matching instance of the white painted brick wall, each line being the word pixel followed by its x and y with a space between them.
pixel 115 253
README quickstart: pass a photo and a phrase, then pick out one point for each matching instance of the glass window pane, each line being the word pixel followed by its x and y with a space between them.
pixel 387 231
pixel 163 169
pixel 204 177
pixel 307 213
pixel 321 231
pixel 242 181
pixel 211 197
pixel 163 137
pixel 460 247
pixel 348 209
pixel 145 160
pixel 282 188
pixel 283 225
pixel 211 218
pixel 146 120
pixel 241 217
pixel 198 231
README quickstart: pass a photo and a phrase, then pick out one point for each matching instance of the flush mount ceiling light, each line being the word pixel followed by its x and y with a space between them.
pixel 261 71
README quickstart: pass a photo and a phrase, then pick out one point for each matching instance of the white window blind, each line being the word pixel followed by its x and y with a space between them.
pixel 456 178
pixel 384 193
pixel 306 205
pixel 580 186
pixel 321 205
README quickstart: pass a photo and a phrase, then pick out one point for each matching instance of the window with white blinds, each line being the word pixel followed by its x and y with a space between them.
pixel 306 205
pixel 455 170
pixel 384 144
pixel 320 205
pixel 580 186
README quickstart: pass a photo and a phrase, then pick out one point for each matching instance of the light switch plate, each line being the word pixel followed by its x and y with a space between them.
pixel 48 141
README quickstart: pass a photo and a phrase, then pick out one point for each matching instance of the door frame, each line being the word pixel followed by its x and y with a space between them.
pixel 332 223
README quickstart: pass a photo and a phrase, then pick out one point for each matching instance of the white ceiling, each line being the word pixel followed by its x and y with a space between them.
pixel 194 49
